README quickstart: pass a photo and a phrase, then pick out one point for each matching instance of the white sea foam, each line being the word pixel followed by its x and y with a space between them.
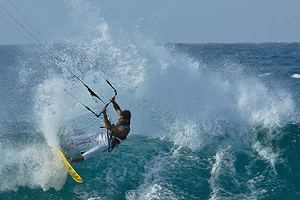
pixel 34 166
pixel 223 164
pixel 267 154
pixel 265 74
pixel 261 105
pixel 49 109
pixel 154 185
pixel 295 76
pixel 224 175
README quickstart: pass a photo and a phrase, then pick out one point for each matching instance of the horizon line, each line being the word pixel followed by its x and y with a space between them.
pixel 180 43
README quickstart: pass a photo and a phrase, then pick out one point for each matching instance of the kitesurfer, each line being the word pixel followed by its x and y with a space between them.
pixel 116 133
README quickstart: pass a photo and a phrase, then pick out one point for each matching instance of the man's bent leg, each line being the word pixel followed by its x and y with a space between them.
pixel 100 148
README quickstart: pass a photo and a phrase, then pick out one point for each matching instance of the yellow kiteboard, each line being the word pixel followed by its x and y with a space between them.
pixel 69 167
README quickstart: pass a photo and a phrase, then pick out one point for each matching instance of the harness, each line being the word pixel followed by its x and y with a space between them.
pixel 114 141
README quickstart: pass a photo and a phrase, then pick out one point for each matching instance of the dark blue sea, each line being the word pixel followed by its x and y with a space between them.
pixel 209 121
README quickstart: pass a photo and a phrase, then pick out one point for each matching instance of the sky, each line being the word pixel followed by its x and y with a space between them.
pixel 185 21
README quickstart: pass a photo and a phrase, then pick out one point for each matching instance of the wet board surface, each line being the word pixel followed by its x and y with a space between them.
pixel 76 177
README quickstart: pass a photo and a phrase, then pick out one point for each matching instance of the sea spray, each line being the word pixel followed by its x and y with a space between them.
pixel 33 166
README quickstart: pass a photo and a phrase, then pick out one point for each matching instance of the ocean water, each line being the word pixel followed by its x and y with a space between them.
pixel 209 121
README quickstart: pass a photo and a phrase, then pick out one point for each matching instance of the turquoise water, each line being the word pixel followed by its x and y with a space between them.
pixel 210 121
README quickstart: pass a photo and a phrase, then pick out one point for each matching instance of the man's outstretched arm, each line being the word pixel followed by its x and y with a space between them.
pixel 116 106
pixel 105 119
pixel 115 130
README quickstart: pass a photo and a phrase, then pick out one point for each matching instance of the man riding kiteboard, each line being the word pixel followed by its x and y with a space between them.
pixel 116 133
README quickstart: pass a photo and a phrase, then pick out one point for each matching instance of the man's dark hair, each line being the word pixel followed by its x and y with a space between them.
pixel 126 114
